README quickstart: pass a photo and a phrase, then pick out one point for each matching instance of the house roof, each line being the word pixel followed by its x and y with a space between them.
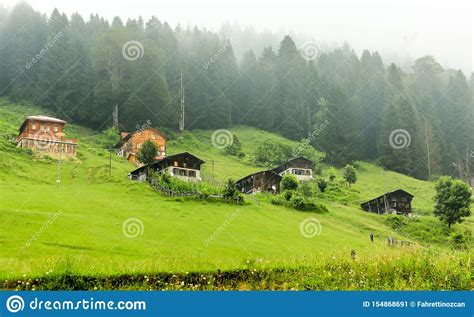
pixel 129 135
pixel 283 166
pixel 41 118
pixel 259 172
pixel 388 193
pixel 169 158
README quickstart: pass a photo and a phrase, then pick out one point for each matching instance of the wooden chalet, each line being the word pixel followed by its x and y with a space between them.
pixel 301 167
pixel 184 166
pixel 45 135
pixel 263 181
pixel 130 144
pixel 396 202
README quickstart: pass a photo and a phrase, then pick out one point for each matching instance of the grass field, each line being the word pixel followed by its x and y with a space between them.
pixel 49 231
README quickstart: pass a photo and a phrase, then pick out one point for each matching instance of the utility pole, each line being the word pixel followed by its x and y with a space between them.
pixel 181 113
pixel 115 118
pixel 58 177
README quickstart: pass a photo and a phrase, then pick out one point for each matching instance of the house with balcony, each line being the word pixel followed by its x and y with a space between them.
pixel 45 135
pixel 183 166
pixel 301 167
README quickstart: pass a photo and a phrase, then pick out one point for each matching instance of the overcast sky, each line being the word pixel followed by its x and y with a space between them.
pixel 404 28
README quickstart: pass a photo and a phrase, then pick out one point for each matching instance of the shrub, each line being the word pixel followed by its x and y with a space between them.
pixel 271 153
pixel 350 174
pixel 289 182
pixel 287 194
pixel 235 148
pixel 231 192
pixel 396 222
pixel 305 189
pixel 460 240
pixel 303 204
pixel 322 184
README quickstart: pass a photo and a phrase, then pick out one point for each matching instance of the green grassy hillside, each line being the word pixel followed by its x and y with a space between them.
pixel 76 227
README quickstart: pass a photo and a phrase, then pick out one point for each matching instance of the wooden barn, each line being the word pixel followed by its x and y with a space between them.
pixel 263 181
pixel 45 135
pixel 130 144
pixel 396 202
pixel 184 166
pixel 301 167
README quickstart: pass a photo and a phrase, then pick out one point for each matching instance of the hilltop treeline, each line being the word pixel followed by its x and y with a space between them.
pixel 351 107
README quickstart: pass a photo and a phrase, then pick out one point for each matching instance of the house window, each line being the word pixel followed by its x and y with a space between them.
pixel 404 199
pixel 393 198
pixel 33 126
pixel 192 173
pixel 175 163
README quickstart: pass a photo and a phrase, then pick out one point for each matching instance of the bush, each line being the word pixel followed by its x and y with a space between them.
pixel 288 194
pixel 271 153
pixel 289 182
pixel 350 174
pixel 396 222
pixel 231 192
pixel 235 148
pixel 460 240
pixel 322 184
pixel 305 189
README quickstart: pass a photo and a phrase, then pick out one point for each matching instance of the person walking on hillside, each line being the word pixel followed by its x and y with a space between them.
pixel 372 236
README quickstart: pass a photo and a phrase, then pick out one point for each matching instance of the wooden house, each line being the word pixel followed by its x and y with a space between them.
pixel 184 166
pixel 301 167
pixel 263 181
pixel 396 202
pixel 45 135
pixel 130 144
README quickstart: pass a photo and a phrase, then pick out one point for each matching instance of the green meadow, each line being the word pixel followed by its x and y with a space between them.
pixel 70 235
